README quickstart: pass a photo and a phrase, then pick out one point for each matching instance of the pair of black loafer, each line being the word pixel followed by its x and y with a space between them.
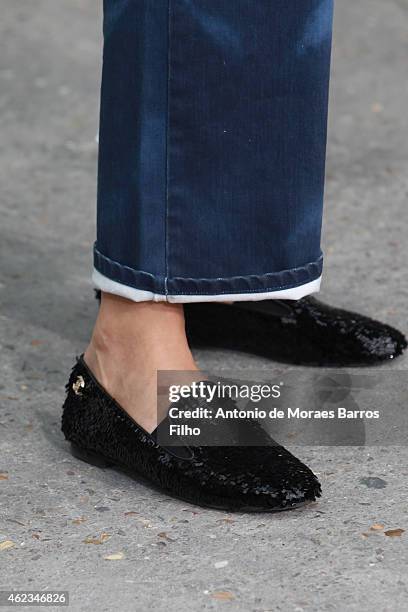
pixel 260 477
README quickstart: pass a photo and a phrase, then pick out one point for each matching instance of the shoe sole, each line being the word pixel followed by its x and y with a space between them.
pixel 100 461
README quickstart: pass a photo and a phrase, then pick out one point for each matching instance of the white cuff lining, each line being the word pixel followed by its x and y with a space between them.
pixel 138 295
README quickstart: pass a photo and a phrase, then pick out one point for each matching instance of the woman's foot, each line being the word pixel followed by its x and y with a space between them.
pixel 305 332
pixel 264 477
pixel 131 341
pixel 109 416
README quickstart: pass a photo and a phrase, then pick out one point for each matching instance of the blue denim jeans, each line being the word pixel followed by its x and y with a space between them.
pixel 212 148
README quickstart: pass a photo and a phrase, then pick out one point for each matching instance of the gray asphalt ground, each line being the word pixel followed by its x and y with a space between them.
pixel 177 557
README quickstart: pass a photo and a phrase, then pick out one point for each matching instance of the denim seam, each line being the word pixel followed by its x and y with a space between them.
pixel 113 270
pixel 166 229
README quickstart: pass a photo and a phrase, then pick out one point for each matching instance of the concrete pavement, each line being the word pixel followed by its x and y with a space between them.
pixel 176 557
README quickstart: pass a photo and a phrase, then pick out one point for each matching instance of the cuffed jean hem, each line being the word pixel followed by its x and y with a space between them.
pixel 113 277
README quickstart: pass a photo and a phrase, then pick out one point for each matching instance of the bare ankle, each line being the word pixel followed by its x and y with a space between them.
pixel 130 343
pixel 127 331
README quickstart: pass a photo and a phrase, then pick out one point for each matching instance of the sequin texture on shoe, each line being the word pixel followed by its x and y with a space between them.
pixel 307 332
pixel 253 478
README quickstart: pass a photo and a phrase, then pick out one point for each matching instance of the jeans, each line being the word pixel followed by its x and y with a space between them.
pixel 212 148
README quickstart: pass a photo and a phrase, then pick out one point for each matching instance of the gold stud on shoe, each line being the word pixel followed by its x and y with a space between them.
pixel 78 384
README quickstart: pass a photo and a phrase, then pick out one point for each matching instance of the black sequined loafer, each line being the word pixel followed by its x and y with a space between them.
pixel 305 332
pixel 234 478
